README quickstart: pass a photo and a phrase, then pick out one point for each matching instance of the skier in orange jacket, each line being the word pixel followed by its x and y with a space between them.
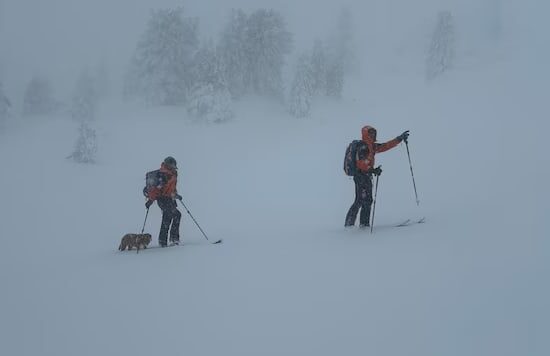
pixel 166 196
pixel 365 170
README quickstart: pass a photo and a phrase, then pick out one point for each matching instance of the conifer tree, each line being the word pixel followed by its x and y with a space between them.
pixel 253 50
pixel 335 78
pixel 268 42
pixel 210 99
pixel 344 45
pixel 162 66
pixel 441 52
pixel 302 89
pixel 233 53
pixel 319 67
pixel 85 149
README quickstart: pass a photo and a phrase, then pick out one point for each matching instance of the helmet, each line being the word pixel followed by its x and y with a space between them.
pixel 171 162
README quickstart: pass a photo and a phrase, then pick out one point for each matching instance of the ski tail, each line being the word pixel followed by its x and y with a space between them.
pixel 408 222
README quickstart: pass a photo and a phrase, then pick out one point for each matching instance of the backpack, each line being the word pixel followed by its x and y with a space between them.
pixel 350 167
pixel 154 181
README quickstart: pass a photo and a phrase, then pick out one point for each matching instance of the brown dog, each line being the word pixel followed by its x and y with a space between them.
pixel 134 240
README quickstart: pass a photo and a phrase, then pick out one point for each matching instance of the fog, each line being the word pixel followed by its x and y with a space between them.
pixel 265 175
pixel 57 38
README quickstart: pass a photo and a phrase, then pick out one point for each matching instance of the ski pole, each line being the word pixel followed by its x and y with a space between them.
pixel 143 228
pixel 412 173
pixel 374 204
pixel 196 223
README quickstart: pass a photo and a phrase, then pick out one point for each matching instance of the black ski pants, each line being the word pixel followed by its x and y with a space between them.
pixel 171 217
pixel 363 201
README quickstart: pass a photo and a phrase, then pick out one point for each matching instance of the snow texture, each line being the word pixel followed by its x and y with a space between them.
pixel 288 278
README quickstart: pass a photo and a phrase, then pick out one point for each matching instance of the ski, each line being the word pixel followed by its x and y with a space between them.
pixel 167 246
pixel 171 245
pixel 411 222
pixel 404 223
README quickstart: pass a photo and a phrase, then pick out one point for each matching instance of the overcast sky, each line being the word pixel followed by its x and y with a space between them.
pixel 57 38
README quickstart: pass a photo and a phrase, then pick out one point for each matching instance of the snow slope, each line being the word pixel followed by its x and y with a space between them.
pixel 288 279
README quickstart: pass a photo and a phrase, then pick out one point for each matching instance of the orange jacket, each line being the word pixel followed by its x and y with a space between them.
pixel 168 190
pixel 365 158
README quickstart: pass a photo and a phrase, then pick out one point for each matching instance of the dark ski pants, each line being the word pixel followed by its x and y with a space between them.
pixel 363 201
pixel 171 217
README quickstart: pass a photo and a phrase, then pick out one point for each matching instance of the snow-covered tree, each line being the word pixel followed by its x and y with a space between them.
pixel 344 45
pixel 85 98
pixel 317 73
pixel 268 42
pixel 38 99
pixel 210 105
pixel 210 99
pixel 85 149
pixel 303 87
pixel 5 106
pixel 208 67
pixel 233 53
pixel 335 78
pixel 442 47
pixel 253 49
pixel 161 68
pixel 319 68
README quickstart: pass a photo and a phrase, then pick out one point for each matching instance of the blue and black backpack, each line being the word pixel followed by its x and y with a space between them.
pixel 154 180
pixel 350 167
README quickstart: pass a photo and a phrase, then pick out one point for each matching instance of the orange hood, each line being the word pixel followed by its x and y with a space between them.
pixel 365 135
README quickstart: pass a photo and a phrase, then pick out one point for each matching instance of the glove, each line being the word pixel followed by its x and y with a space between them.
pixel 376 171
pixel 178 197
pixel 148 203
pixel 404 136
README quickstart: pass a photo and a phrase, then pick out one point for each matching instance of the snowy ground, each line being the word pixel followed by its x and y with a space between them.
pixel 288 280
